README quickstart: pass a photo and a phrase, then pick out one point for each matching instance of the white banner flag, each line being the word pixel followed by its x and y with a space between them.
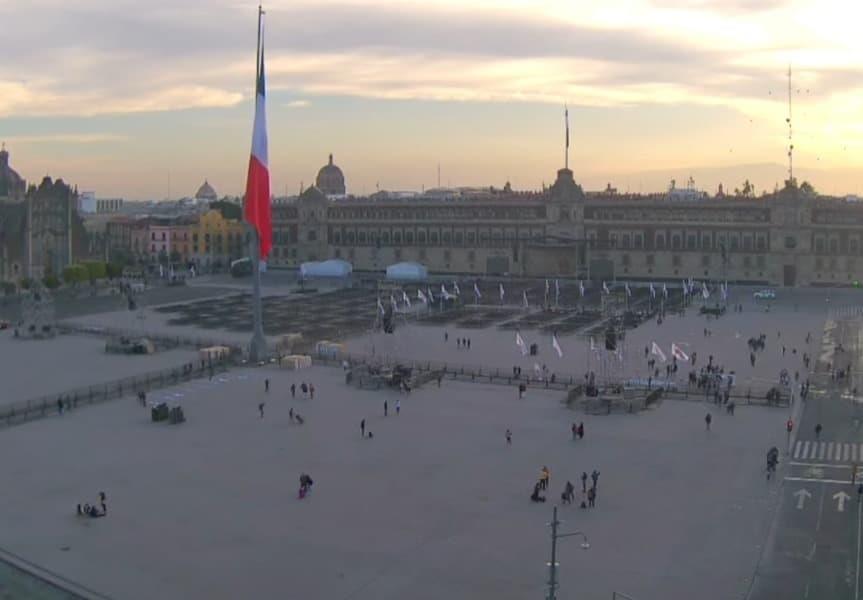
pixel 455 288
pixel 581 288
pixel 380 306
pixel 556 345
pixel 524 299
pixel 605 288
pixel 628 291
pixel 656 350
pixel 520 343
pixel 406 299
pixel 476 291
pixel 678 353
pixel 652 291
pixel 501 292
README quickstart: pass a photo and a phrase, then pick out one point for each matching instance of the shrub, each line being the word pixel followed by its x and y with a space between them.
pixel 51 282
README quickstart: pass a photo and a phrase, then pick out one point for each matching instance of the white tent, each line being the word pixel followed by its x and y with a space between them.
pixel 328 268
pixel 407 271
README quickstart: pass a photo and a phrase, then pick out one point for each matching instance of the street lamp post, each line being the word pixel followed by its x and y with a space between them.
pixel 552 566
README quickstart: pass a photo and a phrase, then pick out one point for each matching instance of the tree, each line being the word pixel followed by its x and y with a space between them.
pixel 74 274
pixel 175 257
pixel 229 210
pixel 51 282
pixel 807 189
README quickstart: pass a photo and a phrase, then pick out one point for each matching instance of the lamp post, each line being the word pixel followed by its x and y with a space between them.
pixel 552 566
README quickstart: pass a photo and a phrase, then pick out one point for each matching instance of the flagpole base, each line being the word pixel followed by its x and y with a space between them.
pixel 258 348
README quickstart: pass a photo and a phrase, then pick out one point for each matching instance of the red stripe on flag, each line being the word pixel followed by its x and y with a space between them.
pixel 257 208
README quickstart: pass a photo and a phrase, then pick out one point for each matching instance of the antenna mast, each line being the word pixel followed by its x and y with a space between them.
pixel 790 134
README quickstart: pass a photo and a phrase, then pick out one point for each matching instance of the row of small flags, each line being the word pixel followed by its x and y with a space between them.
pixel 688 289
pixel 676 351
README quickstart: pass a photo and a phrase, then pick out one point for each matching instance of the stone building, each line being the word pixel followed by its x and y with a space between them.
pixel 40 230
pixel 206 193
pixel 792 237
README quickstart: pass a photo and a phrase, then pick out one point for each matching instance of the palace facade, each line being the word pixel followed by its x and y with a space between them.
pixel 792 237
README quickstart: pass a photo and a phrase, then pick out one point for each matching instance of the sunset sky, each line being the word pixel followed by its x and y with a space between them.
pixel 146 100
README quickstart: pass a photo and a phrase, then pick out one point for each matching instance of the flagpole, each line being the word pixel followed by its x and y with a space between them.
pixel 258 345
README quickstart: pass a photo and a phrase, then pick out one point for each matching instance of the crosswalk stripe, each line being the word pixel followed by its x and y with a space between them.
pixel 860 453
pixel 853 452
pixel 838 454
pixel 805 449
pixel 846 452
pixel 797 447
pixel 822 447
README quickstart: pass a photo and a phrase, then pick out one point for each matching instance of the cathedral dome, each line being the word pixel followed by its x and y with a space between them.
pixel 206 192
pixel 330 180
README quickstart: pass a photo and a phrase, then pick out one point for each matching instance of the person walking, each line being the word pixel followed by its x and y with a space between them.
pixel 818 431
pixel 583 482
pixel 591 497
pixel 509 437
pixel 568 493
pixel 261 409
pixel 312 391
pixel 574 431
pixel 291 414
pixel 293 390
pixel 386 408
pixel 363 428
pixel 581 430
pixel 266 385
pixel 707 419
pixel 398 406
pixel 595 478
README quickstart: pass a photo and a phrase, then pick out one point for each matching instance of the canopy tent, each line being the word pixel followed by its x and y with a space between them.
pixel 407 271
pixel 328 268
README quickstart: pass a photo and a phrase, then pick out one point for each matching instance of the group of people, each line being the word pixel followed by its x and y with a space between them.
pixel 91 510
pixel 589 494
pixel 308 390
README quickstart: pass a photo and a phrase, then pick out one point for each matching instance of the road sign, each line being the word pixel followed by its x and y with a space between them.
pixel 802 495
pixel 841 498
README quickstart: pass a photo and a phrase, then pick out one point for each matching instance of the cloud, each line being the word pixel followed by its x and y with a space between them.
pixel 100 57
pixel 67 138
pixel 298 104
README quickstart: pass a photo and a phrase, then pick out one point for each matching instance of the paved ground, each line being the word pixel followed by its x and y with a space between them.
pixel 34 368
pixel 435 506
pixel 814 550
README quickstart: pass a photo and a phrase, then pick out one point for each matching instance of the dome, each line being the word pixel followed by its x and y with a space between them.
pixel 206 192
pixel 330 180
pixel 12 185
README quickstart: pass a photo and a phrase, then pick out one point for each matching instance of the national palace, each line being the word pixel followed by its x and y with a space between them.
pixel 791 237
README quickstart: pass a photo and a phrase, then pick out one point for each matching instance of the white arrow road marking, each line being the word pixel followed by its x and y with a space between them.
pixel 841 497
pixel 802 494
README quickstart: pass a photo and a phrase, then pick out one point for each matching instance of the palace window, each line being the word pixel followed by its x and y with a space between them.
pixel 761 243
pixel 397 238
pixel 471 237
pixel 459 238
pixel 706 242
pixel 638 241
pixel 409 237
pixel 819 244
pixel 735 243
pixel 853 246
pixel 834 246
pixel 385 237
pixel 675 242
pixel 624 241
pixel 747 243
pixel 790 242
pixel 660 241
pixel 421 237
pixel 691 242
pixel 337 237
pixel 433 237
pixel 350 237
pixel 760 261
pixel 362 237
pixel 445 237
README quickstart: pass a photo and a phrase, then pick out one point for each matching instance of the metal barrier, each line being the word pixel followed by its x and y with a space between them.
pixel 563 382
pixel 161 340
pixel 30 580
pixel 28 410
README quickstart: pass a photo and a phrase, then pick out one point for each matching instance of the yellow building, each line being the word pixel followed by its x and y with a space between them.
pixel 216 241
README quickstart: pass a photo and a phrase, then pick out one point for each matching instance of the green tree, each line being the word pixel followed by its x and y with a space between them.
pixel 806 188
pixel 229 210
pixel 26 283
pixel 114 270
pixel 74 274
pixel 95 270
pixel 51 282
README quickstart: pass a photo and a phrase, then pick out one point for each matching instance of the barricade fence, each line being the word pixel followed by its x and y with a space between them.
pixel 162 341
pixel 556 381
pixel 43 406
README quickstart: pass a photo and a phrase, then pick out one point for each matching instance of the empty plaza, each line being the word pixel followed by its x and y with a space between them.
pixel 437 503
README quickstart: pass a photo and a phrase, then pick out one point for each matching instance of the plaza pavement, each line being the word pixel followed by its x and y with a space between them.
pixel 34 368
pixel 435 506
